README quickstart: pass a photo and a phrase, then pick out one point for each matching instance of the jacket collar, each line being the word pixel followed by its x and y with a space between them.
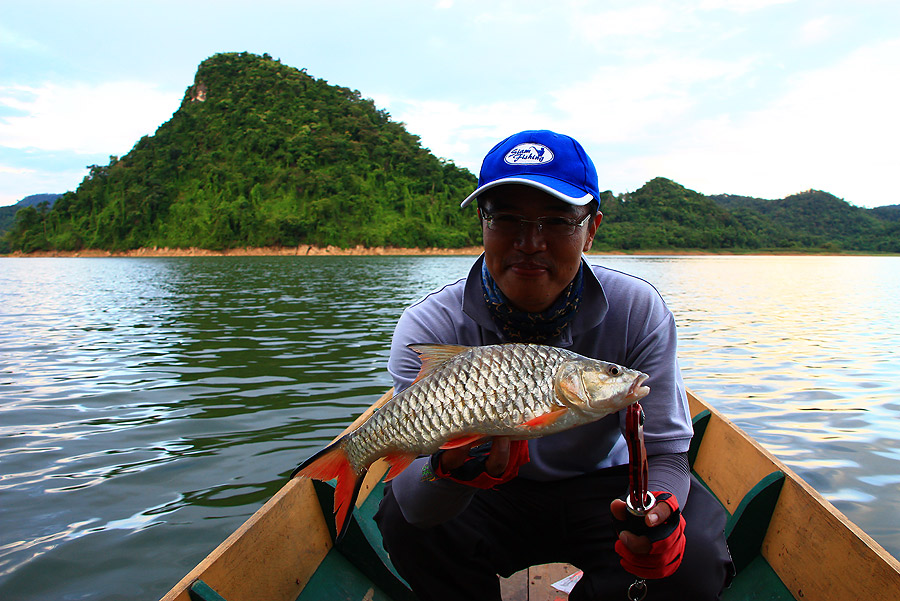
pixel 591 312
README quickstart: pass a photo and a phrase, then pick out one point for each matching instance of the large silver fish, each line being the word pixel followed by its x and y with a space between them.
pixel 465 394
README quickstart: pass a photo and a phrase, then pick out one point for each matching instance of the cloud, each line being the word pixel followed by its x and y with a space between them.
pixel 833 129
pixel 740 6
pixel 629 103
pixel 817 30
pixel 636 21
pixel 18 182
pixel 13 39
pixel 7 170
pixel 463 132
pixel 107 118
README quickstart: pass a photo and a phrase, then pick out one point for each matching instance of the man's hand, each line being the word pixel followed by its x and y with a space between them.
pixel 656 549
pixel 484 465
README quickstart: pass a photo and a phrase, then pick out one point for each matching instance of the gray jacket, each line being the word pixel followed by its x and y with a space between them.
pixel 621 319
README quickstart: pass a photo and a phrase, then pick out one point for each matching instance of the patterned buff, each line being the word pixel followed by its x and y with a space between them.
pixel 521 326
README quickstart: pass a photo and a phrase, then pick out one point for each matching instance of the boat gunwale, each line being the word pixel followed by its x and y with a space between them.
pixel 819 572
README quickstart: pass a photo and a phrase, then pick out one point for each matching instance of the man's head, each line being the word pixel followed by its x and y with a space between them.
pixel 538 200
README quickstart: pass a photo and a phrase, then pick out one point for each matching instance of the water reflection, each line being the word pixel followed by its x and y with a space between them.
pixel 148 406
pixel 800 352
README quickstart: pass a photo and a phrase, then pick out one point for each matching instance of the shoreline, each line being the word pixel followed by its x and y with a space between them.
pixel 304 250
pixel 319 251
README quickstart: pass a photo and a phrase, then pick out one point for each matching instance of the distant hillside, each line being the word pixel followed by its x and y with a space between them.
pixel 888 213
pixel 36 199
pixel 261 154
pixel 8 213
pixel 812 219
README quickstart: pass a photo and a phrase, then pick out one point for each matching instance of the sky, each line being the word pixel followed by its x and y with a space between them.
pixel 761 98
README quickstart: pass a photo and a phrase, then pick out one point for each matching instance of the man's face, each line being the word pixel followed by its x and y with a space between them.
pixel 532 268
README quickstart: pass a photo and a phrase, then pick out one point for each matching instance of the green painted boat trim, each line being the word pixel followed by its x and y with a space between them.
pixel 200 591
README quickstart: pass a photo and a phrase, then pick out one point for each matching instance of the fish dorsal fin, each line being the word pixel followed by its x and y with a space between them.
pixel 435 355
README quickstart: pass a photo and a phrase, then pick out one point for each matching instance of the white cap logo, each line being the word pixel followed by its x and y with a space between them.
pixel 528 154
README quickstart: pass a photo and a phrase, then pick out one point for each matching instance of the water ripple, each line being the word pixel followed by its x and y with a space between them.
pixel 149 406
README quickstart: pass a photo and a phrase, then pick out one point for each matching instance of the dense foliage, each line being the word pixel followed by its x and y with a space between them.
pixel 815 219
pixel 261 154
pixel 662 214
pixel 665 215
pixel 8 213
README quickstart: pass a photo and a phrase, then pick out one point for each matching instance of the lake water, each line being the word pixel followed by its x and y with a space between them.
pixel 149 406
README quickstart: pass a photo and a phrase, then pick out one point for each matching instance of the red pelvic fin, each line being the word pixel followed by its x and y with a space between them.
pixel 543 420
pixel 328 464
pixel 398 463
pixel 462 441
pixel 435 355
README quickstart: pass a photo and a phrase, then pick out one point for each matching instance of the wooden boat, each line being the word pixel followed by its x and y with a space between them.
pixel 788 542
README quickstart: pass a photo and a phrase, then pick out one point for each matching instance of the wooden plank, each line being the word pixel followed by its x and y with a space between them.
pixel 820 555
pixel 540 579
pixel 729 461
pixel 817 552
pixel 281 544
pixel 535 583
pixel 515 588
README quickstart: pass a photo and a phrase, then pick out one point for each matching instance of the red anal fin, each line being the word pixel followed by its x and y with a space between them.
pixel 544 420
pixel 462 441
pixel 398 463
pixel 435 355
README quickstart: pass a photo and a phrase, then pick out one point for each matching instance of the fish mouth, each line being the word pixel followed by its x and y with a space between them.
pixel 637 390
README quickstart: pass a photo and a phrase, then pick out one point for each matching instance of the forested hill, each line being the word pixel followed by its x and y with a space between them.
pixel 664 215
pixel 262 154
pixel 8 213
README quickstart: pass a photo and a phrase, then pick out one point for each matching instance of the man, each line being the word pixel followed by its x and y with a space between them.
pixel 453 521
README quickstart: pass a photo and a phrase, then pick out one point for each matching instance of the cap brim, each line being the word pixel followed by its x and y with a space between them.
pixel 554 187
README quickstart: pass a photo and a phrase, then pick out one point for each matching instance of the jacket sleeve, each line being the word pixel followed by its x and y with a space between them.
pixel 422 502
pixel 670 473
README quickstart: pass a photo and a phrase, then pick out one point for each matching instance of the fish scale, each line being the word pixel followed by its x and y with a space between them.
pixel 464 394
pixel 460 399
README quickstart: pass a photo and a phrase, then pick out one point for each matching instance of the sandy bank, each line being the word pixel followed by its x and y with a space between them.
pixel 313 251
pixel 267 251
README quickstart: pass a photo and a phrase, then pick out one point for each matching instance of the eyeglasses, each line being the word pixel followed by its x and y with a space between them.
pixel 510 225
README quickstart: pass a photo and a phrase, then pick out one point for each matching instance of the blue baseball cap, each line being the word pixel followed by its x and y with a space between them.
pixel 554 163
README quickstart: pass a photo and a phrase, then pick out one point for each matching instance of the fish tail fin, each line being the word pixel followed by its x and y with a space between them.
pixel 332 463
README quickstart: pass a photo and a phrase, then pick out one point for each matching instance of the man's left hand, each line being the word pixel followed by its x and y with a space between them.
pixel 484 466
pixel 657 551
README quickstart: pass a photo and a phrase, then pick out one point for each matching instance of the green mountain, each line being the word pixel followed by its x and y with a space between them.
pixel 261 154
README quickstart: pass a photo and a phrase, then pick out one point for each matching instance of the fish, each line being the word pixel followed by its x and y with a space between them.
pixel 465 394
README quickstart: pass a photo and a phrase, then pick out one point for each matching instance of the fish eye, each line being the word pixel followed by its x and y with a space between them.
pixel 614 370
